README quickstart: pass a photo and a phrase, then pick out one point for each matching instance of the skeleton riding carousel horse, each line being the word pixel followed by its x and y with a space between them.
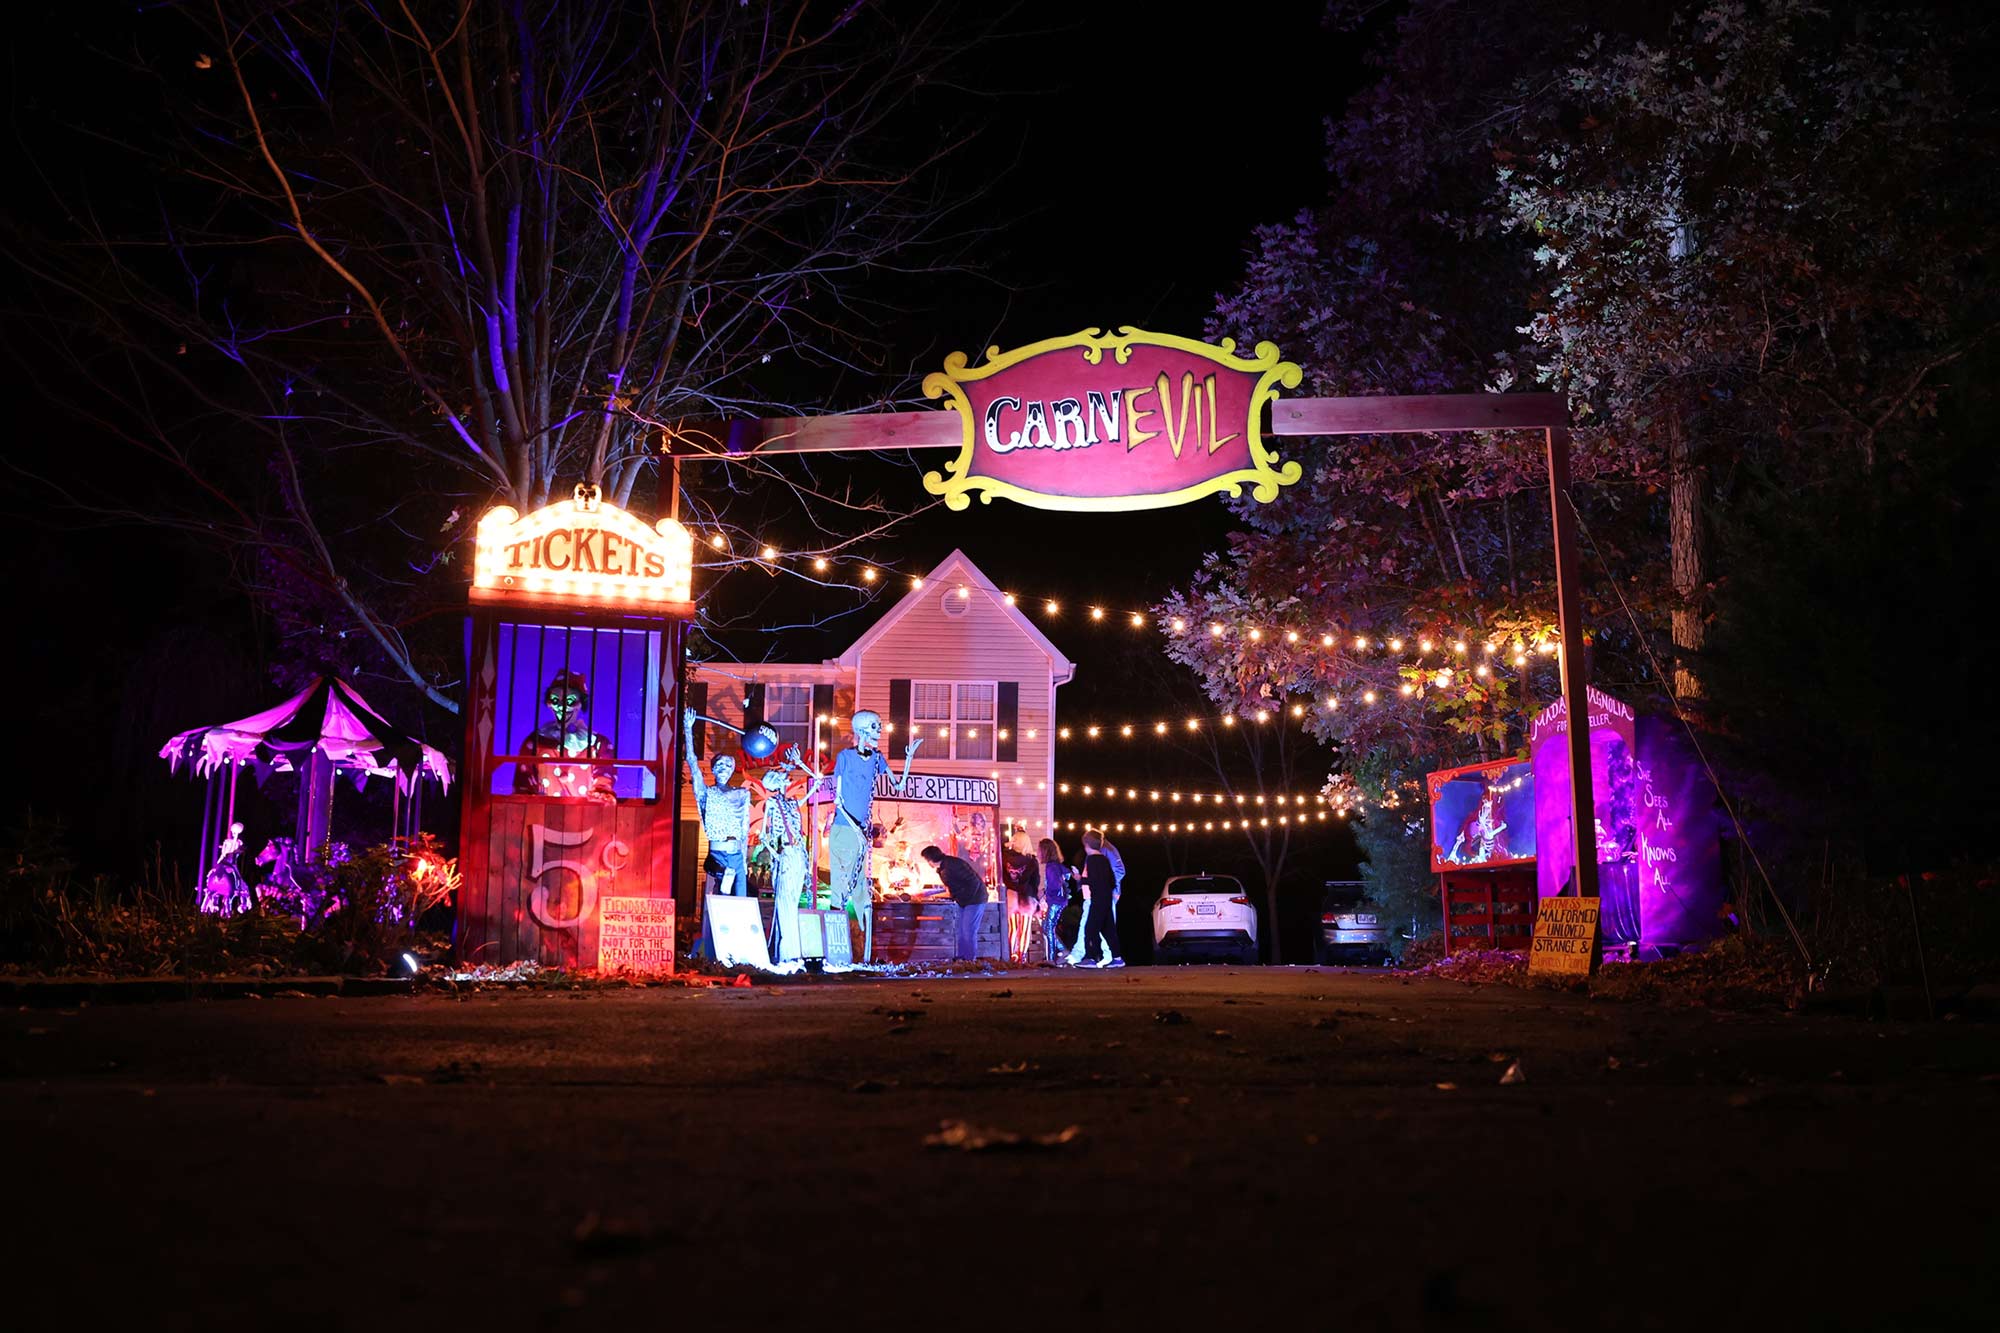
pixel 281 887
pixel 223 889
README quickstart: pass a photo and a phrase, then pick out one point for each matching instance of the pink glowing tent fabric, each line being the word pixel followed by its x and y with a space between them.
pixel 329 716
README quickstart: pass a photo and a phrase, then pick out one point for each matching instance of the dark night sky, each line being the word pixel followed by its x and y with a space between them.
pixel 1228 114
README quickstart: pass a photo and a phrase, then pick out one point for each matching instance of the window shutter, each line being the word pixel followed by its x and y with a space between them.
pixel 1008 720
pixel 698 700
pixel 753 705
pixel 823 708
pixel 899 709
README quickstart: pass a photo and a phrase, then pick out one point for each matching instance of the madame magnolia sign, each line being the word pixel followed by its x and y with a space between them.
pixel 1160 421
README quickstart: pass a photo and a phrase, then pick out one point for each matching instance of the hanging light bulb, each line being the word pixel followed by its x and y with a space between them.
pixel 1459 647
pixel 718 541
pixel 916 583
pixel 1298 710
pixel 868 575
pixel 1011 599
pixel 1395 645
pixel 1326 641
pixel 770 553
pixel 1255 634
pixel 1215 631
pixel 1097 613
pixel 1291 636
pixel 1368 696
pixel 1423 645
pixel 1052 607
pixel 1138 621
pixel 819 565
pixel 1179 624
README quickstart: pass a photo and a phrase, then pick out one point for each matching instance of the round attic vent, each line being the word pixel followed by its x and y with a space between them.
pixel 954 599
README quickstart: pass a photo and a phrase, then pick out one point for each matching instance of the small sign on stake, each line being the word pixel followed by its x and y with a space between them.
pixel 1565 943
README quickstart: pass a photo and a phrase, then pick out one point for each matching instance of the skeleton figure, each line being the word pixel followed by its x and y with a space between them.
pixel 568 736
pixel 855 770
pixel 725 815
pixel 223 890
pixel 785 835
pixel 1479 838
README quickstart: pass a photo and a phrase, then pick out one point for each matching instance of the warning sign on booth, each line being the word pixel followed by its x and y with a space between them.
pixel 1565 941
pixel 635 934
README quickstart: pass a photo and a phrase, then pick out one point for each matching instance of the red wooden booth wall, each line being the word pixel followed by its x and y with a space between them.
pixel 528 859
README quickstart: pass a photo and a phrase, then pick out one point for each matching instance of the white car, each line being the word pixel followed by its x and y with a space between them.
pixel 1206 916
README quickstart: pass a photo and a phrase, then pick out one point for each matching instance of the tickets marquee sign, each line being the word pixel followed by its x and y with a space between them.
pixel 582 551
pixel 1135 420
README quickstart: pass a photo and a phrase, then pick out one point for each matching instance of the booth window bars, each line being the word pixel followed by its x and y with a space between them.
pixel 614 671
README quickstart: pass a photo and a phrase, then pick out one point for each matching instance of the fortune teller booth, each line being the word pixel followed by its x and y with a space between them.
pixel 1501 837
pixel 577 631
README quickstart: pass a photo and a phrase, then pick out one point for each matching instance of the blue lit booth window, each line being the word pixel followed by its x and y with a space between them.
pixel 579 709
pixel 575 641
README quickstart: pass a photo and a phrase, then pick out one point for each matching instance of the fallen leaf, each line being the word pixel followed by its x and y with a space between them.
pixel 1170 1017
pixel 965 1137
pixel 870 1085
pixel 1223 1034
pixel 1004 1068
pixel 1000 994
pixel 1447 1087
pixel 1513 1075
pixel 396 1080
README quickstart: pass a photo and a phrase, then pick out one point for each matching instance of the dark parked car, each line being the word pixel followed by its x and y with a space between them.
pixel 1350 931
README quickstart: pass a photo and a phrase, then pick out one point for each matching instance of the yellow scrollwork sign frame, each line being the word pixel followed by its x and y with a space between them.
pixel 1264 477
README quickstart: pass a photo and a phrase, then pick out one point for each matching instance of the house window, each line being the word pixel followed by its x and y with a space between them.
pixel 957 717
pixel 788 708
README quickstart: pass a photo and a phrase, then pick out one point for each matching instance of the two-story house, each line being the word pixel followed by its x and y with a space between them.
pixel 954 662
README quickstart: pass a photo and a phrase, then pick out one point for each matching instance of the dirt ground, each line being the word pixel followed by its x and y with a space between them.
pixel 1336 1148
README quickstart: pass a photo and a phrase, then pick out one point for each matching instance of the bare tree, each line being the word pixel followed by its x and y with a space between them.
pixel 397 261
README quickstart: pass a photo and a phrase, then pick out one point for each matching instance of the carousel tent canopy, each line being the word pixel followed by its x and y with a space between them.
pixel 329 716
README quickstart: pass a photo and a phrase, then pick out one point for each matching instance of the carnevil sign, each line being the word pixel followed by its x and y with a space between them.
pixel 582 551
pixel 1159 421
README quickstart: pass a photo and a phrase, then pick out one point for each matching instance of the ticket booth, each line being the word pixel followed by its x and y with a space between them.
pixel 577 631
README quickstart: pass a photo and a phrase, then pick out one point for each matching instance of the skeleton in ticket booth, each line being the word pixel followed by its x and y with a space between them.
pixel 566 736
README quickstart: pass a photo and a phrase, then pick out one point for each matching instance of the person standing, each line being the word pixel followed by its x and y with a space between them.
pixel 968 891
pixel 1099 927
pixel 1117 886
pixel 1055 897
pixel 1024 883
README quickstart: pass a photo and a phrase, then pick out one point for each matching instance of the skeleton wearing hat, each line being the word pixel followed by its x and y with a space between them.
pixel 565 736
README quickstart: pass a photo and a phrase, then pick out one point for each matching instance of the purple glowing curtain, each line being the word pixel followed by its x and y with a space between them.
pixel 1659 863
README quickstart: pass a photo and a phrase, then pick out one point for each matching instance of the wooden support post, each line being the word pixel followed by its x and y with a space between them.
pixel 1575 683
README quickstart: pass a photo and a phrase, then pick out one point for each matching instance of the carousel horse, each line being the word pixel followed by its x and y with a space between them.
pixel 281 885
pixel 223 890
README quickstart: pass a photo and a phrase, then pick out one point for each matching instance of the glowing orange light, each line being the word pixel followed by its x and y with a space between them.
pixel 868 576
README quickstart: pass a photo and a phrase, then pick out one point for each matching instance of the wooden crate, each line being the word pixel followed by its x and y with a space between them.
pixel 1489 909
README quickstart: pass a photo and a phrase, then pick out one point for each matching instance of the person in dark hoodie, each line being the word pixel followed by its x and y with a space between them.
pixel 968 890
